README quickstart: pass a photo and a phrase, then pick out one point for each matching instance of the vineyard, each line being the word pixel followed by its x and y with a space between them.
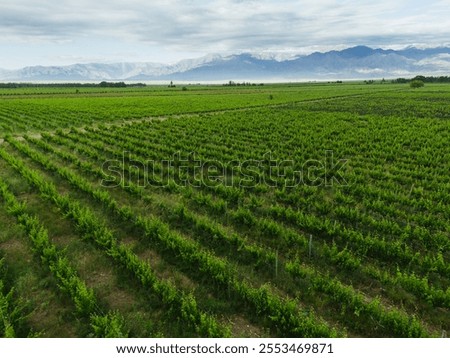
pixel 294 210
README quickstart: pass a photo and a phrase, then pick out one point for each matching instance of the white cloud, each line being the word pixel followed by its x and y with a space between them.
pixel 366 71
pixel 200 26
pixel 441 62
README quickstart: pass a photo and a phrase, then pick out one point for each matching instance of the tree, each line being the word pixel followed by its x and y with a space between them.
pixel 416 84
pixel 420 78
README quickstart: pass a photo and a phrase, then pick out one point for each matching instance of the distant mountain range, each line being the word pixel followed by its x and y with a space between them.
pixel 352 63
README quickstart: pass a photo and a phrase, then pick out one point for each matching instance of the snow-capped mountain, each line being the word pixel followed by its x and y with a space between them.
pixel 355 62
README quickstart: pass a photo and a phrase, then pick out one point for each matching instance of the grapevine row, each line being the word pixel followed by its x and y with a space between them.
pixel 91 228
pixel 396 320
pixel 108 325
pixel 282 314
pixel 330 253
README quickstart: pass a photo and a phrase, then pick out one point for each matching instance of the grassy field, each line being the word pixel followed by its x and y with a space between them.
pixel 294 210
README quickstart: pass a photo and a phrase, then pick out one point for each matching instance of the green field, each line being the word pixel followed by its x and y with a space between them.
pixel 293 210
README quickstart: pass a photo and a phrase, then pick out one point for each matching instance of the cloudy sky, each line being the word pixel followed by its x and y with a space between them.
pixel 64 32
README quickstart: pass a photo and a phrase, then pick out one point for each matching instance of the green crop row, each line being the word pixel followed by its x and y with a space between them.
pixel 283 315
pixel 85 302
pixel 285 237
pixel 91 228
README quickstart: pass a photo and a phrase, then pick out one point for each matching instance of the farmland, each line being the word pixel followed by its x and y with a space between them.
pixel 294 210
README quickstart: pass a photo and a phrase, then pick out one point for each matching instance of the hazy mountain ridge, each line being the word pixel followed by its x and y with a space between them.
pixel 355 62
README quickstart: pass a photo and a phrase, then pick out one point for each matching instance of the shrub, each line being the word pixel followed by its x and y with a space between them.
pixel 416 84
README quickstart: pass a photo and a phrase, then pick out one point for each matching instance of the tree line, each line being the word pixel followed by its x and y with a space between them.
pixel 425 79
pixel 102 84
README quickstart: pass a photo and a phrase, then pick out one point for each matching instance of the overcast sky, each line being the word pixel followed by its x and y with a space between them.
pixel 64 32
